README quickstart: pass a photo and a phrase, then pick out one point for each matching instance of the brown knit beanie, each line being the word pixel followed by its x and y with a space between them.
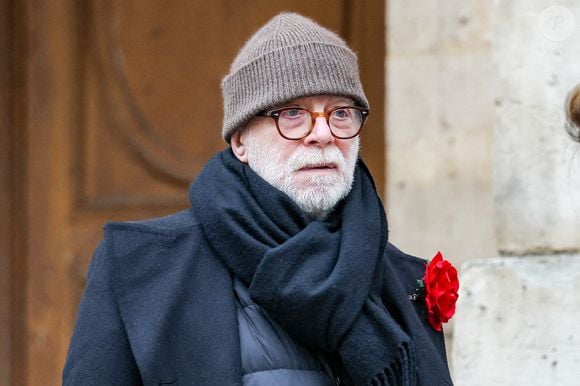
pixel 288 58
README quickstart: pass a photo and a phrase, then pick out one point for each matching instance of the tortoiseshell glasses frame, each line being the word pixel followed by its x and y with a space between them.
pixel 345 122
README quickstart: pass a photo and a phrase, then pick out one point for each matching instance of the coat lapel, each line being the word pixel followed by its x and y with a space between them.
pixel 178 307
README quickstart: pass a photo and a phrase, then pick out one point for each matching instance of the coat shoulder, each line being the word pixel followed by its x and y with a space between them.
pixel 409 268
pixel 397 254
pixel 402 261
pixel 170 225
pixel 130 242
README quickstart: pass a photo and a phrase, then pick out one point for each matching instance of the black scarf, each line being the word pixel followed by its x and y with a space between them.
pixel 320 280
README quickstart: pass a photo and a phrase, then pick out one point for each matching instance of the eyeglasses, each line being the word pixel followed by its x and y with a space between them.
pixel 296 122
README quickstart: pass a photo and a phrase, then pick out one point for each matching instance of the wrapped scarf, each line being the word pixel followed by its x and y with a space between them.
pixel 320 280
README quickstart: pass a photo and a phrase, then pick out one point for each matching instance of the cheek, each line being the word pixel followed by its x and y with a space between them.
pixel 272 145
pixel 348 148
pixel 284 150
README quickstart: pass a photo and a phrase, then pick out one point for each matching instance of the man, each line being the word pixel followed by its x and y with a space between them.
pixel 280 273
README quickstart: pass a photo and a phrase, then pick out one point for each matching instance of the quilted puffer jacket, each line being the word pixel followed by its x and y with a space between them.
pixel 270 357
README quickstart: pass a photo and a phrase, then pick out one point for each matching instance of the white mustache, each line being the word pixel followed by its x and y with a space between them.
pixel 314 157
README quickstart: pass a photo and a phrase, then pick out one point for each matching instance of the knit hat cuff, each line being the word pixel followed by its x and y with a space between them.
pixel 285 74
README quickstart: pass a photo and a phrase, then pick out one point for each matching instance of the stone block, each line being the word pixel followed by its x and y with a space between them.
pixel 517 322
pixel 439 128
pixel 537 168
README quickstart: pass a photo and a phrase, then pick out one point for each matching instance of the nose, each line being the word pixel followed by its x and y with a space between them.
pixel 320 134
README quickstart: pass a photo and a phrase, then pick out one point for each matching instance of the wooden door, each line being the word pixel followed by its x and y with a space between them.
pixel 109 109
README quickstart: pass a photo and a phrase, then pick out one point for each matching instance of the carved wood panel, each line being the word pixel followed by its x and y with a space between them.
pixel 5 197
pixel 153 111
pixel 118 106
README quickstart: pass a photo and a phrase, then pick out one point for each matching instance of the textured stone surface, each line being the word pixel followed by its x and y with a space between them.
pixel 517 322
pixel 439 128
pixel 537 168
pixel 479 163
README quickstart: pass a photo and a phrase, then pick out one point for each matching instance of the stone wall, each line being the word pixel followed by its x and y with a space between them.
pixel 536 177
pixel 480 167
pixel 439 128
pixel 517 323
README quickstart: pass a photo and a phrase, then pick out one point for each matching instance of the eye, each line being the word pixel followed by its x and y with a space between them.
pixel 292 113
pixel 341 114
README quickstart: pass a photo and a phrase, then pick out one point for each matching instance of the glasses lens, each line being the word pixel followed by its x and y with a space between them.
pixel 294 123
pixel 346 122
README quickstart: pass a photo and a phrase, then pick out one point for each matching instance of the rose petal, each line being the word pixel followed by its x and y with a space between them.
pixel 441 287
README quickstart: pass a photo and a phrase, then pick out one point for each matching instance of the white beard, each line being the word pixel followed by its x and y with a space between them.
pixel 315 195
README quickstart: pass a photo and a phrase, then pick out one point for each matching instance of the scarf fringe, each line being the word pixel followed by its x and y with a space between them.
pixel 400 371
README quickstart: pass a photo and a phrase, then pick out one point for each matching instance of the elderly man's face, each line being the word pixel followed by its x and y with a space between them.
pixel 316 171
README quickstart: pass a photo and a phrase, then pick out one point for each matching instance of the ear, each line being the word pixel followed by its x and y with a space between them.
pixel 238 146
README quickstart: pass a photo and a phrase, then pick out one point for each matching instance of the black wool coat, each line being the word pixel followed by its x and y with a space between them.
pixel 159 309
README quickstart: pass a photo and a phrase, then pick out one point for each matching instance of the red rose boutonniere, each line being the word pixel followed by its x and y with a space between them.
pixel 440 286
